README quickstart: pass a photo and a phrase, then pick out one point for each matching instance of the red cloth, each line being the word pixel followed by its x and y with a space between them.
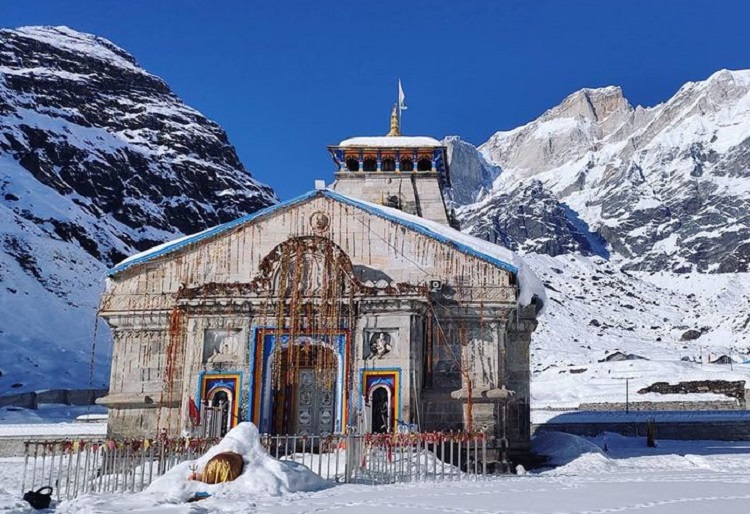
pixel 195 413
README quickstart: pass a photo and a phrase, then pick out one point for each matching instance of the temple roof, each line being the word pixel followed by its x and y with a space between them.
pixel 530 286
pixel 391 142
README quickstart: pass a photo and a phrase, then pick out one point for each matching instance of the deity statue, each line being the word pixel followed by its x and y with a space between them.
pixel 380 344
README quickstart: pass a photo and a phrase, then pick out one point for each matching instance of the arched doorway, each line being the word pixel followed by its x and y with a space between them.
pixel 218 413
pixel 352 164
pixel 370 164
pixel 381 411
pixel 304 395
pixel 424 164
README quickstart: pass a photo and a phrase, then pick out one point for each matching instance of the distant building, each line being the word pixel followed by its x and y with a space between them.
pixel 356 307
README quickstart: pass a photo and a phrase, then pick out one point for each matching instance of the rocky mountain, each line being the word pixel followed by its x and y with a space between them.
pixel 666 187
pixel 604 323
pixel 529 219
pixel 472 175
pixel 99 159
pixel 636 219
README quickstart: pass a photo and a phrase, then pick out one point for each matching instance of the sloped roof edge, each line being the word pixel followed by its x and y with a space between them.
pixel 462 242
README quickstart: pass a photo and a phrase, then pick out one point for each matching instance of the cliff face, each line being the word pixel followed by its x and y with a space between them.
pixel 636 219
pixel 667 187
pixel 99 159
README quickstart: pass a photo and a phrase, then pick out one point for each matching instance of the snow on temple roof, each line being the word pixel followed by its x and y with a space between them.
pixel 529 284
pixel 391 142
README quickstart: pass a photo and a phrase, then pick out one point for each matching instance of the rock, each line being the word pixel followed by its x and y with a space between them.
pixel 530 219
pixel 733 389
pixel 471 174
pixel 652 178
pixel 690 335
pixel 99 160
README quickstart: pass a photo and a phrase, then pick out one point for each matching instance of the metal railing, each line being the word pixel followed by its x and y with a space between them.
pixel 74 468
pixel 386 458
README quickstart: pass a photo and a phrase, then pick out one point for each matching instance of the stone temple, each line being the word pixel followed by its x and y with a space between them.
pixel 352 308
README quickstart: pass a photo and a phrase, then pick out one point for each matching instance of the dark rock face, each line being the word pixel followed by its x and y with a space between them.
pixel 98 160
pixel 665 186
pixel 530 219
pixel 690 335
pixel 82 118
pixel 735 389
pixel 471 174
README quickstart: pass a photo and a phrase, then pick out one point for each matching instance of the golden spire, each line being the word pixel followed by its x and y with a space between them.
pixel 395 130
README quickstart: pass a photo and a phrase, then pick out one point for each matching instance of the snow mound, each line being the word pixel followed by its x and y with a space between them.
pixel 262 476
pixel 561 448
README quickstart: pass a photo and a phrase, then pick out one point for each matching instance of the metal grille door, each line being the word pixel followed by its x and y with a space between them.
pixel 315 404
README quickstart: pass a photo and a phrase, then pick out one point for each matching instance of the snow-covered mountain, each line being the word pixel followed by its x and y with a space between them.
pixel 679 323
pixel 638 221
pixel 99 159
pixel 667 187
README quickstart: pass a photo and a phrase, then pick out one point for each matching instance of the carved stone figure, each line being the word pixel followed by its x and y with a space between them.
pixel 380 344
pixel 221 346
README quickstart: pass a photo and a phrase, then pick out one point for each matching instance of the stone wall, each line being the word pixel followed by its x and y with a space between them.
pixel 664 406
pixel 733 389
pixel 32 400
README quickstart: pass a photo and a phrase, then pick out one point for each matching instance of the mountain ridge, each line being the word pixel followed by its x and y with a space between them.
pixel 99 159
pixel 649 181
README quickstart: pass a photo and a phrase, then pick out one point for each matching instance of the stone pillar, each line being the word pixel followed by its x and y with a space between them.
pixel 398 161
pixel 517 378
pixel 380 161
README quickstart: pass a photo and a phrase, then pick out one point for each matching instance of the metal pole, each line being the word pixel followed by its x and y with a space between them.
pixel 627 395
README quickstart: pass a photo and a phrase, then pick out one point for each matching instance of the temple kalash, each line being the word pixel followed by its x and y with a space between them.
pixel 354 308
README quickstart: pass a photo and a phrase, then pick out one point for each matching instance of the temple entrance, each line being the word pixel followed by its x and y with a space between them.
pixel 305 404
pixel 220 406
pixel 314 404
pixel 381 411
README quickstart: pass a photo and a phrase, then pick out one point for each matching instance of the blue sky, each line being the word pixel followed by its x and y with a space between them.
pixel 287 78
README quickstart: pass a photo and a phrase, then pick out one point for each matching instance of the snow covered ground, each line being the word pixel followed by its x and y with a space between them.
pixel 596 309
pixel 685 477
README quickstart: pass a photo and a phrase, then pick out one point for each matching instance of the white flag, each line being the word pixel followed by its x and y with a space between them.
pixel 401 97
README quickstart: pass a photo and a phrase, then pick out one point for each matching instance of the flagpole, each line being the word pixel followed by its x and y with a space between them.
pixel 398 100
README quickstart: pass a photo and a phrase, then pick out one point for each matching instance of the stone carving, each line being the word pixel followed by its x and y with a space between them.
pixel 320 222
pixel 220 345
pixel 380 344
pixel 305 266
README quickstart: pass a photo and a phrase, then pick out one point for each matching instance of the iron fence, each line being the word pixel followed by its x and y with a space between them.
pixel 386 458
pixel 79 467
pixel 74 468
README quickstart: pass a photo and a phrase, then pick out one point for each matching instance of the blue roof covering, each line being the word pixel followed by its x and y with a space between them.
pixel 408 221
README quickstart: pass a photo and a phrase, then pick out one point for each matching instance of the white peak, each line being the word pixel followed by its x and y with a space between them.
pixel 722 79
pixel 71 40
pixel 742 76
pixel 592 103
